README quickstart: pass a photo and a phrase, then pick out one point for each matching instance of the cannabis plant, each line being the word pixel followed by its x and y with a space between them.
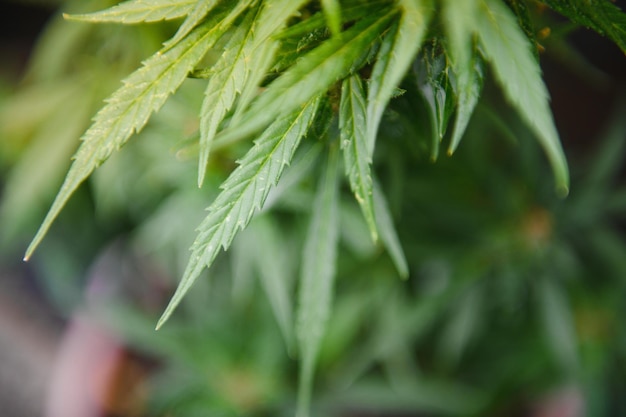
pixel 309 96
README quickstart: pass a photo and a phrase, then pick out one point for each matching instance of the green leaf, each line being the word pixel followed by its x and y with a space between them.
pixel 520 9
pixel 199 11
pixel 242 194
pixel 332 11
pixel 459 20
pixel 129 108
pixel 136 11
pixel 317 276
pixel 600 15
pixel 434 84
pixel 313 74
pixel 226 80
pixel 387 232
pixel 507 50
pixel 353 130
pixel 396 54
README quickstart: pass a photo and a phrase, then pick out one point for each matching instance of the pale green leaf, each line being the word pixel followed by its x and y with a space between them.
pixel 271 259
pixel 353 130
pixel 459 20
pixel 317 276
pixel 332 11
pixel 396 54
pixel 199 11
pixel 313 74
pixel 129 108
pixel 507 50
pixel 136 11
pixel 226 80
pixel 243 193
pixel 387 232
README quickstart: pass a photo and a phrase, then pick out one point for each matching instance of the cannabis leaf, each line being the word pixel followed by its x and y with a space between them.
pixel 353 127
pixel 397 51
pixel 600 15
pixel 387 231
pixel 312 74
pixel 136 11
pixel 199 11
pixel 507 50
pixel 243 192
pixel 316 279
pixel 129 108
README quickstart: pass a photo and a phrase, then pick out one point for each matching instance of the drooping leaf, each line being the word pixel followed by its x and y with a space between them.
pixel 332 11
pixel 602 16
pixel 459 20
pixel 397 51
pixel 136 11
pixel 433 80
pixel 312 74
pixel 507 50
pixel 387 232
pixel 130 107
pixel 357 160
pixel 226 80
pixel 316 280
pixel 243 193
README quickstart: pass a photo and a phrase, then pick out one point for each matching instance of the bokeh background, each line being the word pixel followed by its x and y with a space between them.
pixel 515 305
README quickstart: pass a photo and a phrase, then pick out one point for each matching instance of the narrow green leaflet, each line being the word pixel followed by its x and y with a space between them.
pixel 317 276
pixel 507 50
pixel 243 192
pixel 433 81
pixel 199 11
pixel 520 9
pixel 600 15
pixel 130 107
pixel 136 11
pixel 332 11
pixel 459 19
pixel 387 232
pixel 226 79
pixel 312 74
pixel 396 54
pixel 353 131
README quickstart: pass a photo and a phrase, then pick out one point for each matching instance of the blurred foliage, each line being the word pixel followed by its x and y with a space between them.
pixel 510 291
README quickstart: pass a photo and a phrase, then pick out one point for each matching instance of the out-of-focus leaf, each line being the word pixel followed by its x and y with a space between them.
pixel 433 79
pixel 387 232
pixel 317 276
pixel 520 9
pixel 357 159
pixel 332 11
pixel 311 75
pixel 396 53
pixel 602 16
pixel 136 11
pixel 559 324
pixel 129 108
pixel 507 50
pixel 242 194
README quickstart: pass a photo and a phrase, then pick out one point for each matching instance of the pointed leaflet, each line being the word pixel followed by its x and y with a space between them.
pixel 243 192
pixel 226 79
pixel 199 11
pixel 459 18
pixel 387 232
pixel 129 109
pixel 600 15
pixel 507 50
pixel 433 81
pixel 353 130
pixel 136 11
pixel 312 74
pixel 397 51
pixel 316 279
